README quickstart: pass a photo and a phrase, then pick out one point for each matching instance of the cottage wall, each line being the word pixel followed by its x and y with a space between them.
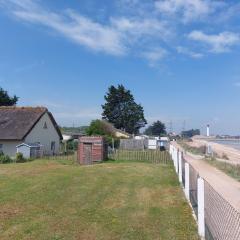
pixel 45 133
pixel 9 147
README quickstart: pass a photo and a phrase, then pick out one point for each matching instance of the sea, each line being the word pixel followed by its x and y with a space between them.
pixel 231 143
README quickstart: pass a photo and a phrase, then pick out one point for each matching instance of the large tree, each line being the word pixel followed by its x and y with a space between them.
pixel 6 100
pixel 122 111
pixel 156 129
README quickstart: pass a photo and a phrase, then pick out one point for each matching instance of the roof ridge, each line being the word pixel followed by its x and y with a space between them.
pixel 39 108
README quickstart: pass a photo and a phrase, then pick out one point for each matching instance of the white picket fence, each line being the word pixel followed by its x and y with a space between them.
pixel 216 218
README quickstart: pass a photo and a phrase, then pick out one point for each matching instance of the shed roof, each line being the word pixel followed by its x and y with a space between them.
pixel 17 122
pixel 30 145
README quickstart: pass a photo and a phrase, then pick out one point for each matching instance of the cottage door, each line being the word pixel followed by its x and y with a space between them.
pixel 87 153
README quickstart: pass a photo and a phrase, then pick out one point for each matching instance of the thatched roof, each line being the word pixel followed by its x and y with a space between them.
pixel 17 122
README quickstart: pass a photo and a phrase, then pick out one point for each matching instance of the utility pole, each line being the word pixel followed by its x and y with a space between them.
pixel 170 128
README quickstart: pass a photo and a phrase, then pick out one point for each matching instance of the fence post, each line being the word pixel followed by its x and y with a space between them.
pixel 180 166
pixel 170 149
pixel 201 217
pixel 176 159
pixel 187 187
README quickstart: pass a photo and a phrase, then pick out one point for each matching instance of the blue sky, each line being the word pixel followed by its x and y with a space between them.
pixel 180 58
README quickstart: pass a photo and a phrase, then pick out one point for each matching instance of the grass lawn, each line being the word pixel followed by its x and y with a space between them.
pixel 52 200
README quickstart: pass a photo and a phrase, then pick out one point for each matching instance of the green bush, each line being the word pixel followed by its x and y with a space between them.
pixel 5 159
pixel 20 158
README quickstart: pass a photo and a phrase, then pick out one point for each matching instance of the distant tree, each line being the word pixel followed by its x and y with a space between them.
pixel 81 129
pixel 103 128
pixel 156 129
pixel 6 100
pixel 190 133
pixel 122 111
pixel 99 128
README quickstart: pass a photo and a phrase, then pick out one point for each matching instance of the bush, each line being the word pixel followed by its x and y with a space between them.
pixel 225 156
pixel 72 145
pixel 5 159
pixel 20 158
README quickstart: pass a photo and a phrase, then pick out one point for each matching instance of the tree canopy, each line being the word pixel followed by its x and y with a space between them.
pixel 102 128
pixel 190 133
pixel 6 100
pixel 99 128
pixel 156 129
pixel 122 111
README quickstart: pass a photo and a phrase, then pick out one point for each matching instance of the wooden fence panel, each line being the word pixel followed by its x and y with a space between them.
pixel 152 156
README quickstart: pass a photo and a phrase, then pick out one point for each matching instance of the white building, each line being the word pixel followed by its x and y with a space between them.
pixel 152 144
pixel 28 125
pixel 141 137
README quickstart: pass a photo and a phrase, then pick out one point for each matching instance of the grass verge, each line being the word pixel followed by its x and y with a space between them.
pixel 47 199
pixel 194 150
pixel 230 169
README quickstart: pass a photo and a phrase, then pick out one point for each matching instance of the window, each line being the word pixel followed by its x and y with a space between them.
pixel 53 146
pixel 45 126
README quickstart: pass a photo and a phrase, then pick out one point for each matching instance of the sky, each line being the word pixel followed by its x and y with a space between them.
pixel 179 58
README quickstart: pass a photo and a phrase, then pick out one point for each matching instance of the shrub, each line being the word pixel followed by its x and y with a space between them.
pixel 225 156
pixel 5 159
pixel 20 158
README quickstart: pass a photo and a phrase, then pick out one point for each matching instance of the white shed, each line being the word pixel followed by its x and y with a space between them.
pixel 152 144
pixel 30 150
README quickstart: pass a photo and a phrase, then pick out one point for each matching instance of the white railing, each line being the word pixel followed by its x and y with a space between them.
pixel 216 218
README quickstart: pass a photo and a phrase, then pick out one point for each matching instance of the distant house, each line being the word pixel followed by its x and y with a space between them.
pixel 117 132
pixel 122 134
pixel 140 137
pixel 30 126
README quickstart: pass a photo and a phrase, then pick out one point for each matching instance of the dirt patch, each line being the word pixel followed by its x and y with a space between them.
pixel 10 211
pixel 144 196
pixel 117 200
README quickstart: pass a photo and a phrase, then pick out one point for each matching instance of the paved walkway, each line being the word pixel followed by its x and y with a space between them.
pixel 226 186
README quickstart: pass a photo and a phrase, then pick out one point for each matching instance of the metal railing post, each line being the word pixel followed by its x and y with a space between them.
pixel 201 217
pixel 180 166
pixel 187 184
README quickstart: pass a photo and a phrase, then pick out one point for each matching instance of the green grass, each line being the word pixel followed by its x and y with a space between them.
pixel 230 169
pixel 52 200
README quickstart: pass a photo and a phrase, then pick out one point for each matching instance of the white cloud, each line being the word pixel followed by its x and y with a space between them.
pixel 141 27
pixel 130 31
pixel 79 29
pixel 218 43
pixel 187 9
pixel 237 84
pixel 188 52
pixel 155 55
pixel 115 37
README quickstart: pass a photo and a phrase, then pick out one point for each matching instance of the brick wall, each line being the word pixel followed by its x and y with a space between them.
pixel 97 152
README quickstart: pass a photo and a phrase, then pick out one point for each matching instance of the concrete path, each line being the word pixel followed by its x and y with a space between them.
pixel 226 186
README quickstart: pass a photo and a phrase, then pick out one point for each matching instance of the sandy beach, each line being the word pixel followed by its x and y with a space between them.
pixel 232 154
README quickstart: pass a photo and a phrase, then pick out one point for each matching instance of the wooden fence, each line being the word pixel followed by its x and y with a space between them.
pixel 133 144
pixel 152 156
